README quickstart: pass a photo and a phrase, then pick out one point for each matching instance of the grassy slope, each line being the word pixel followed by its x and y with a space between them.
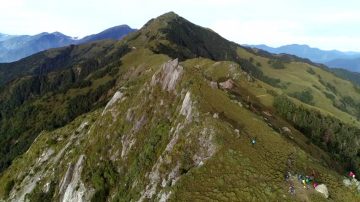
pixel 237 172
pixel 240 171
pixel 296 78
pixel 243 172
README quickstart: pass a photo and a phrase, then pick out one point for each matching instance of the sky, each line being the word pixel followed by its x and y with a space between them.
pixel 326 24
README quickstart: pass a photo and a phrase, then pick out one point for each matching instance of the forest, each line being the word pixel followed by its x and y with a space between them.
pixel 339 139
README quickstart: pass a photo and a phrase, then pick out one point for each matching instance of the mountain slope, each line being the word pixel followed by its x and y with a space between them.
pixel 21 46
pixel 305 51
pixel 351 76
pixel 352 64
pixel 60 85
pixel 18 47
pixel 181 130
pixel 114 33
pixel 4 37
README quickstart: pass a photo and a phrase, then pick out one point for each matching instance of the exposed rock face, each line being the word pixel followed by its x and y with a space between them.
pixel 154 176
pixel 168 76
pixel 213 84
pixel 27 186
pixel 139 123
pixel 164 196
pixel 45 156
pixel 186 107
pixel 206 147
pixel 286 129
pixel 130 115
pixel 322 189
pixel 71 187
pixel 229 84
pixel 127 142
pixel 117 96
pixel 352 183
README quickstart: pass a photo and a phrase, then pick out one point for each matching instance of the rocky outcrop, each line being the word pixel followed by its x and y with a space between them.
pixel 155 176
pixel 168 76
pixel 352 183
pixel 72 189
pixel 206 147
pixel 117 96
pixel 127 142
pixel 321 188
pixel 228 84
pixel 186 107
pixel 27 186
pixel 213 84
pixel 139 124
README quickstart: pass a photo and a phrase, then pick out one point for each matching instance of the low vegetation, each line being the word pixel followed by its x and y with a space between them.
pixel 339 139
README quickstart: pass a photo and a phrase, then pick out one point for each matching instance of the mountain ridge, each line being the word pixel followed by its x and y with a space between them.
pixel 176 129
pixel 306 51
pixel 17 47
pixel 332 58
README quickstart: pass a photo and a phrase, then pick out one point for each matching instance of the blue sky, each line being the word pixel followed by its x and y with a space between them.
pixel 327 24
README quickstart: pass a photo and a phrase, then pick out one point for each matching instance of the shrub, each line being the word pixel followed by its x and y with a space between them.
pixel 276 64
pixel 304 96
pixel 329 95
pixel 338 138
pixel 311 71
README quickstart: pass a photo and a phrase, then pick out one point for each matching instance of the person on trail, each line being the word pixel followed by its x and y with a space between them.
pixel 311 178
pixel 315 184
pixel 351 174
pixel 286 177
pixel 292 189
pixel 304 183
pixel 253 141
pixel 299 178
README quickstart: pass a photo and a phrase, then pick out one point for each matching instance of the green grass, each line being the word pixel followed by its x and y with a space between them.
pixel 237 172
pixel 296 77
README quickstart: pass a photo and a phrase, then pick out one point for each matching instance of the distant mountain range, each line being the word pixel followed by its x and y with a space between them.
pixel 331 58
pixel 4 37
pixel 15 47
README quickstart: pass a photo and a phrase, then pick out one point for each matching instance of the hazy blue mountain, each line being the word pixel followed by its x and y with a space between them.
pixel 13 48
pixel 305 51
pixel 332 58
pixel 19 47
pixel 351 64
pixel 116 33
pixel 4 37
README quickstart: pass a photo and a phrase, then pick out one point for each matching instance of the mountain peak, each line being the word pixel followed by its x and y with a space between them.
pixel 169 16
pixel 115 33
pixel 58 33
pixel 177 37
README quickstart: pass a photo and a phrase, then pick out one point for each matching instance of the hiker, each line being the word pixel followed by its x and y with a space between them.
pixel 287 176
pixel 352 175
pixel 299 178
pixel 312 178
pixel 315 184
pixel 292 189
pixel 253 141
pixel 304 183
